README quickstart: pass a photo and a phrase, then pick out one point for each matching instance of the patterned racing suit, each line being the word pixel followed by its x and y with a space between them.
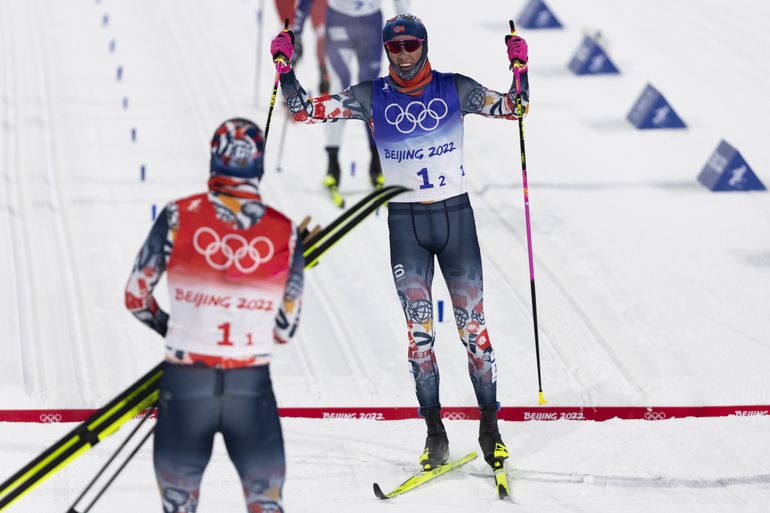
pixel 235 274
pixel 419 139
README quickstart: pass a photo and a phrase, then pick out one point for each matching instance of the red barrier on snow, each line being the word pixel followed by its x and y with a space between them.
pixel 516 414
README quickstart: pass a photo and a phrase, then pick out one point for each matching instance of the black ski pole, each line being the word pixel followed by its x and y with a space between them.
pixel 101 424
pixel 517 65
pixel 117 472
pixel 90 485
pixel 275 84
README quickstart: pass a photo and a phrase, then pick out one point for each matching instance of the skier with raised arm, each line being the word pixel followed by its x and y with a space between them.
pixel 415 115
pixel 235 277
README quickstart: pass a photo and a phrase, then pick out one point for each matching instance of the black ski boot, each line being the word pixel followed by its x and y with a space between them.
pixel 333 174
pixel 333 170
pixel 492 446
pixel 436 444
pixel 375 170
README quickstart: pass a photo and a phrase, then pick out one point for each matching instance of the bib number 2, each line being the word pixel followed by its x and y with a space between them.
pixel 426 183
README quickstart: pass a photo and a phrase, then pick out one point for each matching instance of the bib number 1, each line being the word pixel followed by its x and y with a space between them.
pixel 225 327
pixel 426 183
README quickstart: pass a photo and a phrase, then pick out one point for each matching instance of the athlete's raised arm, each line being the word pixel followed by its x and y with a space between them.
pixel 352 103
pixel 477 99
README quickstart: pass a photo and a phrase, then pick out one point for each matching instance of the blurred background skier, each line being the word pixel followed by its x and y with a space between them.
pixel 316 10
pixel 352 28
pixel 235 277
pixel 416 118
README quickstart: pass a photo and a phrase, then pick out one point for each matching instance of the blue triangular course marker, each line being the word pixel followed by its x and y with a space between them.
pixel 536 15
pixel 591 59
pixel 652 110
pixel 726 170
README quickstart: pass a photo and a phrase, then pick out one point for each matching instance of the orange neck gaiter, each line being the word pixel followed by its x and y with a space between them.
pixel 415 86
pixel 239 188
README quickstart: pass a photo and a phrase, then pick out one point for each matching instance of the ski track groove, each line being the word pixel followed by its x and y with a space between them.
pixel 737 40
pixel 83 361
pixel 598 338
pixel 711 31
pixel 29 321
pixel 8 99
pixel 192 92
pixel 578 384
pixel 336 327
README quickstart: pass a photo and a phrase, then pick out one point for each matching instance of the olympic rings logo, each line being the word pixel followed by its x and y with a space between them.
pixel 50 418
pixel 234 250
pixel 655 415
pixel 453 415
pixel 416 114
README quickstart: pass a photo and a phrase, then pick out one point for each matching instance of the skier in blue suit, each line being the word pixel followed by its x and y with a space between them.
pixel 415 115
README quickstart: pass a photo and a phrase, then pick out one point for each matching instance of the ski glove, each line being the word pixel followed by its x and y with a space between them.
pixel 517 51
pixel 282 49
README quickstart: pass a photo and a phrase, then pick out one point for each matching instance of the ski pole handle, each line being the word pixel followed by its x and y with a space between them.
pixel 516 64
pixel 280 57
pixel 275 86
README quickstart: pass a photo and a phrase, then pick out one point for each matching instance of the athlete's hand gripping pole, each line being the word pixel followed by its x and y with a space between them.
pixel 517 51
pixel 282 65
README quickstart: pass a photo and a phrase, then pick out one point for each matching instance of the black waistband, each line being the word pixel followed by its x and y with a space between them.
pixel 454 203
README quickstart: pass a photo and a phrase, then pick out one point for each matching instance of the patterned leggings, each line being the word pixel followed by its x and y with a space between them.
pixel 195 403
pixel 420 233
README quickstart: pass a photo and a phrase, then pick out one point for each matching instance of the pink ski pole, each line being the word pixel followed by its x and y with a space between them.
pixel 517 65
pixel 275 85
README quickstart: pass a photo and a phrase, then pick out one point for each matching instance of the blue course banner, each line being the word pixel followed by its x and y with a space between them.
pixel 537 15
pixel 652 110
pixel 591 59
pixel 727 170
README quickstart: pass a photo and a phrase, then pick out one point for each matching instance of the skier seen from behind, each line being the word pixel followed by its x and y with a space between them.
pixel 416 116
pixel 235 277
pixel 351 29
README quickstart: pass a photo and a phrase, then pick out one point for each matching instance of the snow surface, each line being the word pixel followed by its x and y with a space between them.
pixel 698 465
pixel 651 289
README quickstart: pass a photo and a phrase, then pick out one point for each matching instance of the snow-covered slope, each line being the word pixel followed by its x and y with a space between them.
pixel 684 465
pixel 651 289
